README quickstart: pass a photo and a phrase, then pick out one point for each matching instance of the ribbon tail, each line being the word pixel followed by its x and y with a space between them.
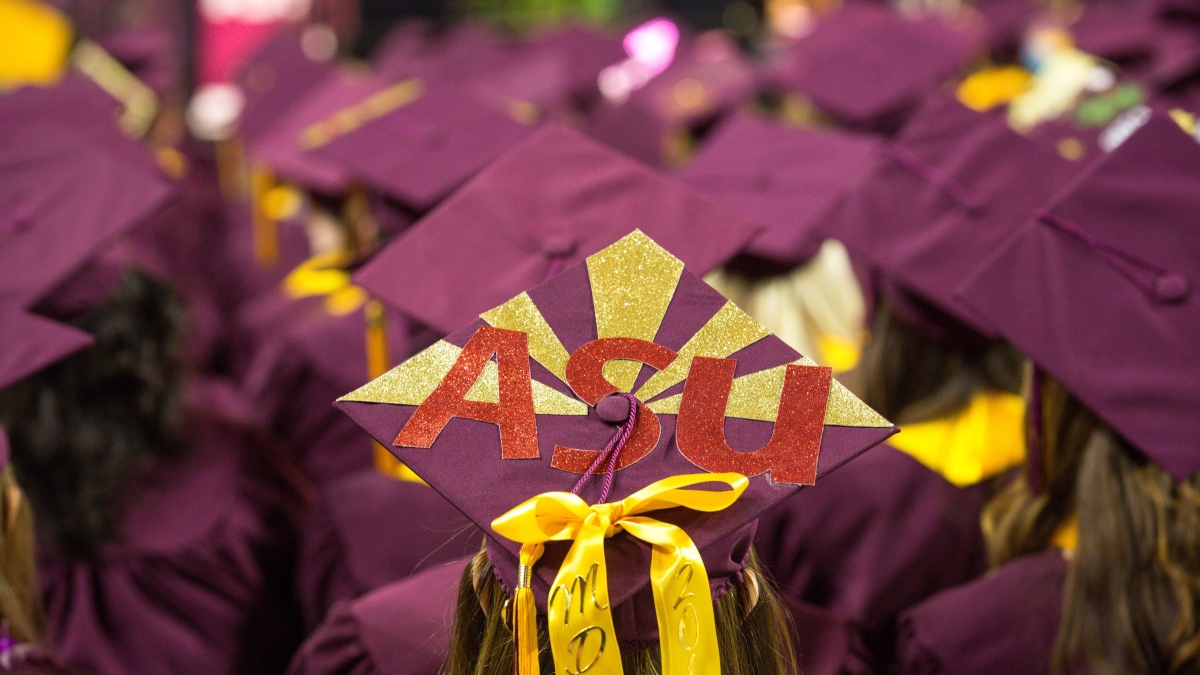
pixel 525 640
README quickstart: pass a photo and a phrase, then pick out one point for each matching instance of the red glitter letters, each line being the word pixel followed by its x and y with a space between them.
pixel 585 374
pixel 791 454
pixel 514 413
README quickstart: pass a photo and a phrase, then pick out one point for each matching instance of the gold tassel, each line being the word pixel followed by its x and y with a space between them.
pixel 525 637
pixel 266 239
pixel 378 363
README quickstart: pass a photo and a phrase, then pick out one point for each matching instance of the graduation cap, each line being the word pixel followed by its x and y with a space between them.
pixel 546 204
pixel 1099 288
pixel 622 376
pixel 274 79
pixel 946 193
pixel 29 343
pixel 437 137
pixel 64 200
pixel 785 178
pixel 869 67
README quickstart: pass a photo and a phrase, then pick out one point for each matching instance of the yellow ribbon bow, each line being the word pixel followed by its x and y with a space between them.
pixel 585 640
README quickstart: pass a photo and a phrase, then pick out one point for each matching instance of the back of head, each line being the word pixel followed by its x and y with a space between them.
pixel 83 427
pixel 754 631
pixel 1132 602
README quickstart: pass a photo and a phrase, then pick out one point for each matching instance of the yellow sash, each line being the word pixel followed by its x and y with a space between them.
pixel 986 439
pixel 582 636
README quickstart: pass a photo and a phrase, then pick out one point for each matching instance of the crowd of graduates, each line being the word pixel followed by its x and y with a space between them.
pixel 261 412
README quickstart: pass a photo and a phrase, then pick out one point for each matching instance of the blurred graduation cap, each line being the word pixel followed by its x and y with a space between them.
pixel 707 78
pixel 64 200
pixel 434 139
pixel 273 80
pixel 553 387
pixel 948 191
pixel 785 178
pixel 1099 288
pixel 868 67
pixel 29 343
pixel 547 203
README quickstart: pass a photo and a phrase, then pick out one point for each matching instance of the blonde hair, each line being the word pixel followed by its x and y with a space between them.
pixel 20 597
pixel 809 308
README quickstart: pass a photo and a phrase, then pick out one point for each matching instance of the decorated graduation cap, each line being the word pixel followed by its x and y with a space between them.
pixel 783 177
pixel 869 66
pixel 546 204
pixel 1099 288
pixel 29 343
pixel 947 192
pixel 616 431
pixel 434 138
pixel 64 199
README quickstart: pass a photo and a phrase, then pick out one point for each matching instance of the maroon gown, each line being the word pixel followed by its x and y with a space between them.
pixel 199 580
pixel 874 538
pixel 1005 622
pixel 367 530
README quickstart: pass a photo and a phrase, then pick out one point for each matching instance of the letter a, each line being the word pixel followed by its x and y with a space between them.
pixel 513 414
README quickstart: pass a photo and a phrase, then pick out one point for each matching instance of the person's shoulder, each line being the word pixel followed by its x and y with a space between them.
pixel 1004 622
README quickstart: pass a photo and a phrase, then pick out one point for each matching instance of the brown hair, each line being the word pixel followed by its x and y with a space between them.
pixel 1132 601
pixel 20 597
pixel 909 377
pixel 753 630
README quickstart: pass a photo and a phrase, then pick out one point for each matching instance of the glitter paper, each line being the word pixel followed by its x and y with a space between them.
pixel 726 332
pixel 632 282
pixel 646 430
pixel 791 454
pixel 756 397
pixel 411 382
pixel 513 414
pixel 586 367
pixel 544 346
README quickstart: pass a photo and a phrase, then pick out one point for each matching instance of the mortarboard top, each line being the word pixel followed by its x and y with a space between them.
pixel 947 192
pixel 455 55
pixel 638 292
pixel 1100 290
pixel 423 149
pixel 868 66
pixel 274 79
pixel 29 343
pixel 707 78
pixel 286 146
pixel 64 200
pixel 552 200
pixel 783 177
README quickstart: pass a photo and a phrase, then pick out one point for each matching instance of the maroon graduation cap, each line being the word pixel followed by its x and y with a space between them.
pixel 63 200
pixel 1099 288
pixel 276 78
pixel 626 351
pixel 947 192
pixel 546 204
pixel 785 178
pixel 869 67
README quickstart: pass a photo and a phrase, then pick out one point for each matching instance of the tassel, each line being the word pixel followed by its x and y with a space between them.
pixel 525 639
pixel 378 362
pixel 266 239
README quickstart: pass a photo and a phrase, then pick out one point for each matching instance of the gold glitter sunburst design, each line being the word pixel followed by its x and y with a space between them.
pixel 633 282
pixel 544 346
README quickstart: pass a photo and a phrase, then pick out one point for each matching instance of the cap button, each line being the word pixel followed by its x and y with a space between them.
pixel 613 409
pixel 558 245
pixel 1171 287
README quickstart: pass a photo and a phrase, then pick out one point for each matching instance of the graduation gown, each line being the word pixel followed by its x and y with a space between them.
pixel 873 538
pixel 367 530
pixel 1005 622
pixel 400 629
pixel 199 580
